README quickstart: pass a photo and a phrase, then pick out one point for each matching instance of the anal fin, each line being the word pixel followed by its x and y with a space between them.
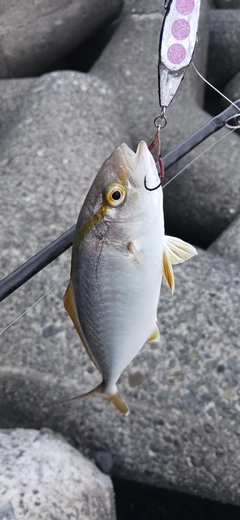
pixel 154 336
pixel 70 306
pixel 167 271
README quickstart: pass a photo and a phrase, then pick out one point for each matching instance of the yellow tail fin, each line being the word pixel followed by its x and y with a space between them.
pixel 100 391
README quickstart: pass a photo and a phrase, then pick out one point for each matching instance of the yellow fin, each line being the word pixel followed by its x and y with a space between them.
pixel 154 336
pixel 167 270
pixel 118 401
pixel 70 306
pixel 114 398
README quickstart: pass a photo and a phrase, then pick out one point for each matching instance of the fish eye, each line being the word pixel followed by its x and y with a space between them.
pixel 115 194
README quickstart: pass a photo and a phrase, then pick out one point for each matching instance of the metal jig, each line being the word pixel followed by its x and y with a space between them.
pixel 177 41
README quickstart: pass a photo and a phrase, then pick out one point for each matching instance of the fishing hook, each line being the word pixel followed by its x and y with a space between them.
pixel 157 140
pixel 161 176
pixel 152 189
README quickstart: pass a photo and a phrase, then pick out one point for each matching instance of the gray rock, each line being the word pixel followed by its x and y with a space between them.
pixel 43 477
pixel 35 35
pixel 6 512
pixel 204 199
pixel 228 244
pixel 232 89
pixel 63 127
pixel 227 4
pixel 11 97
pixel 141 7
pixel 224 56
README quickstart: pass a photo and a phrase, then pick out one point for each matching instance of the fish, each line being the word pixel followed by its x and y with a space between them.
pixel 120 254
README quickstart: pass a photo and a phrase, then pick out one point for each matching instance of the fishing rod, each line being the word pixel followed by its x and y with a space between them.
pixel 229 118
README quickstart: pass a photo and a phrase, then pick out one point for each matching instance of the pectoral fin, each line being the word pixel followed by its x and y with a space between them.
pixel 176 251
pixel 131 247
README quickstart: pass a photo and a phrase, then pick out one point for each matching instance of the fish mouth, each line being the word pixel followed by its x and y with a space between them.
pixel 128 164
pixel 140 166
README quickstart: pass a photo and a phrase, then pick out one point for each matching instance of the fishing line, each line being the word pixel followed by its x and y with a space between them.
pixel 33 305
pixel 200 155
pixel 213 144
pixel 214 88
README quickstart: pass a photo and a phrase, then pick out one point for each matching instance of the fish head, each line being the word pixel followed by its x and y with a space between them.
pixel 120 183
pixel 119 196
pixel 140 165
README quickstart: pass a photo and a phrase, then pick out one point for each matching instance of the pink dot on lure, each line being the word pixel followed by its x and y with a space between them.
pixel 180 29
pixel 176 53
pixel 185 7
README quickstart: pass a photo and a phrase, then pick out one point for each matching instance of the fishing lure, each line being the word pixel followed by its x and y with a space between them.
pixel 176 46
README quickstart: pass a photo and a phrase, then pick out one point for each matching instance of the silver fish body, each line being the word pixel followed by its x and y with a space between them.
pixel 117 265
